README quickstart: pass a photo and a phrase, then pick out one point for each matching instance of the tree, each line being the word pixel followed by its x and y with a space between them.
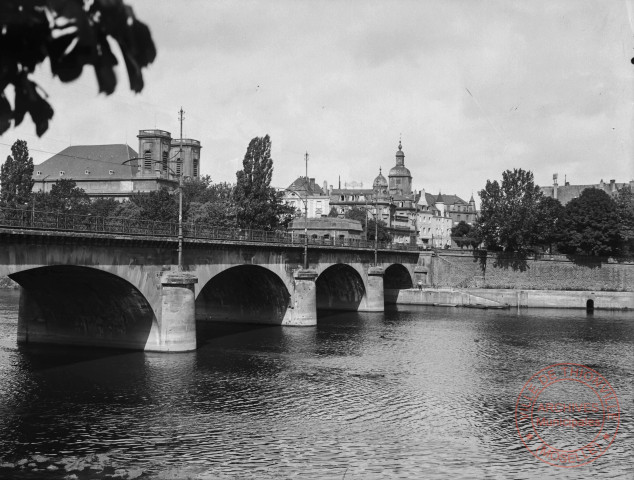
pixel 357 214
pixel 625 207
pixel 16 176
pixel 258 205
pixel 508 219
pixel 549 214
pixel 158 205
pixel 463 235
pixel 333 213
pixel 381 228
pixel 212 206
pixel 65 197
pixel 105 207
pixel 70 34
pixel 591 225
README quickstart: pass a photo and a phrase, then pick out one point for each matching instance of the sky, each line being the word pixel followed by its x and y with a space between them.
pixel 471 87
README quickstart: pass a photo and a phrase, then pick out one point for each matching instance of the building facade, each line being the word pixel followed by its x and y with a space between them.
pixel 117 171
pixel 327 228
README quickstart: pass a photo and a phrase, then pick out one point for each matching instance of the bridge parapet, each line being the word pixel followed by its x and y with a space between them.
pixel 30 219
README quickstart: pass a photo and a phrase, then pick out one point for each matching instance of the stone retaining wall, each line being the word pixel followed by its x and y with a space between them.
pixel 461 269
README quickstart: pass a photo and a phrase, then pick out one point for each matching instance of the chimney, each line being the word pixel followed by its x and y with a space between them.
pixel 312 184
pixel 555 186
pixel 613 185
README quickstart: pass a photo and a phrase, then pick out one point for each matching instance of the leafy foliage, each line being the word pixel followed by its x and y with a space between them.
pixel 65 197
pixel 549 215
pixel 71 34
pixel 464 235
pixel 16 176
pixel 158 206
pixel 591 225
pixel 357 214
pixel 381 229
pixel 212 206
pixel 508 216
pixel 625 208
pixel 258 205
pixel 333 213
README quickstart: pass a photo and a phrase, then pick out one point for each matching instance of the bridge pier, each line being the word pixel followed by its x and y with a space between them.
pixel 304 312
pixel 374 299
pixel 177 331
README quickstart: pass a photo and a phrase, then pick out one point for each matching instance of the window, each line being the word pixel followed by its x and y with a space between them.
pixel 87 172
pixel 179 167
pixel 39 173
pixel 147 160
pixel 195 172
pixel 111 172
pixel 62 172
pixel 164 161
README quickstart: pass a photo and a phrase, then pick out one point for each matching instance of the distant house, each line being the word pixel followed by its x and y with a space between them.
pixel 565 193
pixel 307 197
pixel 116 171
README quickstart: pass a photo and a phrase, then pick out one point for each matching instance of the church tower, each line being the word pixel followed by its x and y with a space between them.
pixel 154 150
pixel 400 177
pixel 189 164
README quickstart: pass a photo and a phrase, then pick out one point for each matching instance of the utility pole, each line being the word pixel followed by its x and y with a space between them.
pixel 306 217
pixel 180 194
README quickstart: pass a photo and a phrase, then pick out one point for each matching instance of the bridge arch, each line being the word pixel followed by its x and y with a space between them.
pixel 397 277
pixel 340 287
pixel 75 305
pixel 244 293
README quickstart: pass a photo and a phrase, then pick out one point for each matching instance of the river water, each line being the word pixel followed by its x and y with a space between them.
pixel 415 392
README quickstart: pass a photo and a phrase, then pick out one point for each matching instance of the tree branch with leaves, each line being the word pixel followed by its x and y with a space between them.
pixel 70 34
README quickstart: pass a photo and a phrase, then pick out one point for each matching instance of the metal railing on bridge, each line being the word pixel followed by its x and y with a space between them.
pixel 66 222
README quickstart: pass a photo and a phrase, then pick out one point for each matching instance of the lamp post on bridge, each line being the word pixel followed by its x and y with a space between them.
pixel 305 200
pixel 180 198
pixel 376 226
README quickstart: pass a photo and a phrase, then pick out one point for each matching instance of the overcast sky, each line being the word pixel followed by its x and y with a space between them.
pixel 471 87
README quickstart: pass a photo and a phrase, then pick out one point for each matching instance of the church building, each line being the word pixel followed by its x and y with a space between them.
pixel 117 171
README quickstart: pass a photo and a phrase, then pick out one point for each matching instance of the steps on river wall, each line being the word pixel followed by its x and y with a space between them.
pixel 496 298
pixel 438 296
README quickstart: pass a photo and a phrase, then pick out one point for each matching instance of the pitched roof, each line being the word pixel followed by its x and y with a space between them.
pixel 97 159
pixel 302 184
pixel 447 199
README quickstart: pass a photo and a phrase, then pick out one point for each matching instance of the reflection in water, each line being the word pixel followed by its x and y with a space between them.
pixel 417 392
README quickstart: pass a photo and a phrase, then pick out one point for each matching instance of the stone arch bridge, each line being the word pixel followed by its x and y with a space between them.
pixel 125 291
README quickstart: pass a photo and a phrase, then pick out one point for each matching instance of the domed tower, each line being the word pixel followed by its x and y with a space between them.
pixel 400 177
pixel 380 184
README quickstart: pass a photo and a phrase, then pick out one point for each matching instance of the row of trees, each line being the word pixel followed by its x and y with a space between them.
pixel 516 217
pixel 250 203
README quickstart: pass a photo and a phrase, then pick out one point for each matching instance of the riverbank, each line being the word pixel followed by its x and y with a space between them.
pixel 492 298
